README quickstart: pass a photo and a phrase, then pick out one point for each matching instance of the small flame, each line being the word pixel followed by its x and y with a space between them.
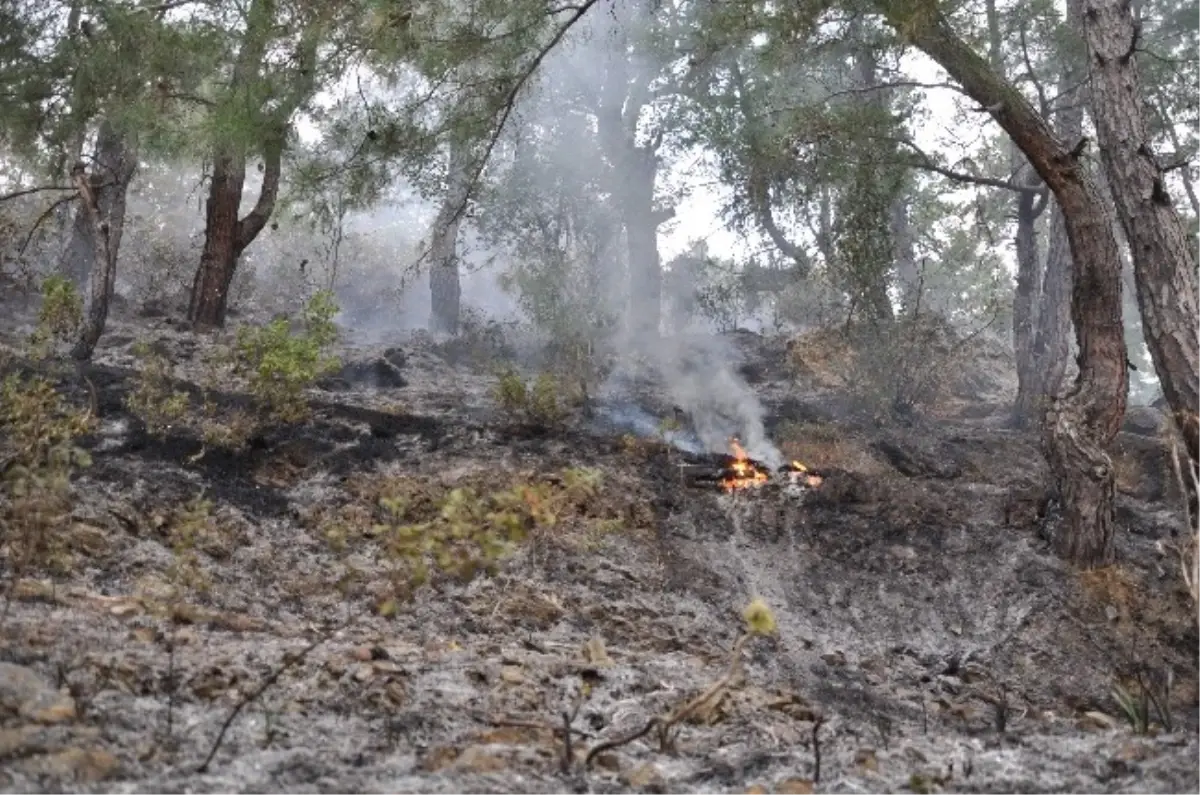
pixel 800 474
pixel 743 473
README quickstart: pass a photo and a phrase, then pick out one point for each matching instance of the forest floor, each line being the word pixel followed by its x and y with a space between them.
pixel 928 638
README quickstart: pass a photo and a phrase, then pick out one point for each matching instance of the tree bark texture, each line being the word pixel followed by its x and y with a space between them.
pixel 1080 426
pixel 1163 259
pixel 102 202
pixel 225 235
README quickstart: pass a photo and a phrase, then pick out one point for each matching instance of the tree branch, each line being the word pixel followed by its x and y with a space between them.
pixel 28 191
pixel 926 163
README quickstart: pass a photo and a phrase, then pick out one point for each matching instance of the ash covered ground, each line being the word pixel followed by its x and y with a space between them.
pixel 928 638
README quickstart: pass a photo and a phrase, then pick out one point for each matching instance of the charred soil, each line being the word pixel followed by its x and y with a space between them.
pixel 928 638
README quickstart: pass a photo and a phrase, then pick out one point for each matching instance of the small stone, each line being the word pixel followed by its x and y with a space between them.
pixel 756 789
pixel 834 658
pixel 364 673
pixel 361 653
pixel 644 776
pixel 794 786
pixel 1096 721
pixel 512 674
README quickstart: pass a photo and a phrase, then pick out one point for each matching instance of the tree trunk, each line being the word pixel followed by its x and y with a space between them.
pixel 1025 301
pixel 1051 338
pixel 445 291
pixel 908 275
pixel 225 236
pixel 641 238
pixel 633 174
pixel 1163 260
pixel 102 200
pixel 1080 426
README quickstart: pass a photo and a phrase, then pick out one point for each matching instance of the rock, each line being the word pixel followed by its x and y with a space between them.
pixel 794 786
pixel 28 694
pixel 512 674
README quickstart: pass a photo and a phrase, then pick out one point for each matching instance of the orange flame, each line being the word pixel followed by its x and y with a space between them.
pixel 743 472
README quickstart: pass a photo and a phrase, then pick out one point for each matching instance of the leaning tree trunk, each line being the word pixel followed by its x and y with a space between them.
pixel 1080 425
pixel 1163 259
pixel 102 201
pixel 225 236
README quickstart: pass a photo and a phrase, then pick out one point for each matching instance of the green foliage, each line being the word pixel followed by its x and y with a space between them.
pixel 541 403
pixel 282 363
pixel 152 398
pixel 39 453
pixel 59 316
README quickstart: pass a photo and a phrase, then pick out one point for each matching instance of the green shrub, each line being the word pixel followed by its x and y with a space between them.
pixel 540 403
pixel 59 317
pixel 38 456
pixel 282 363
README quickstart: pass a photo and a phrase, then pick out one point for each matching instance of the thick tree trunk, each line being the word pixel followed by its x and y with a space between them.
pixel 102 201
pixel 445 291
pixel 1079 426
pixel 633 174
pixel 1163 259
pixel 225 236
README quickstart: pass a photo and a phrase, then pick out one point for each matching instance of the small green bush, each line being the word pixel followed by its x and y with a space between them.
pixel 59 317
pixel 540 403
pixel 282 363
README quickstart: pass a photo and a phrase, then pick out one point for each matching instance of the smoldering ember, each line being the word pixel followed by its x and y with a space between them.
pixel 618 396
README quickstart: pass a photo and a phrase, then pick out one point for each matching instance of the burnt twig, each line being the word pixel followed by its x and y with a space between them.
pixel 289 660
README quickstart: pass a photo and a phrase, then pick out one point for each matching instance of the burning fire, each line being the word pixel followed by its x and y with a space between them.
pixel 743 472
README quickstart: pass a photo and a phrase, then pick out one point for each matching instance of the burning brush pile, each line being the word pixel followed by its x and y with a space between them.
pixel 736 471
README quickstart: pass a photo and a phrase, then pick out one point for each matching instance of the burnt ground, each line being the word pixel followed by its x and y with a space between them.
pixel 928 638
